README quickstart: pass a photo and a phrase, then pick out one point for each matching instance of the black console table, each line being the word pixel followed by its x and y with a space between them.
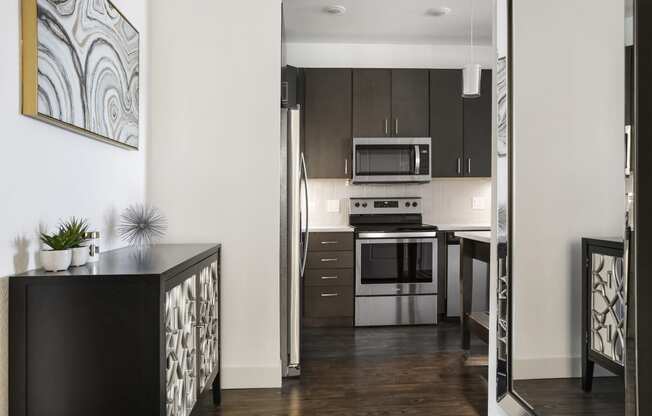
pixel 135 334
pixel 604 307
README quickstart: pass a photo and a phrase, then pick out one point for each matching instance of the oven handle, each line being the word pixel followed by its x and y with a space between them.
pixel 361 240
pixel 426 236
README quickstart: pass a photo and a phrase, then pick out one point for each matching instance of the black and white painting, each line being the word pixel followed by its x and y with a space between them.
pixel 88 68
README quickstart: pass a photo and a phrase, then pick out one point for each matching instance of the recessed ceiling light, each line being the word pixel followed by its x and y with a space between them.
pixel 336 10
pixel 438 11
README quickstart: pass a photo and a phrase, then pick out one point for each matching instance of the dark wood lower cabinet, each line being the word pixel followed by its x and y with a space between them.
pixel 329 277
pixel 329 259
pixel 329 302
pixel 135 334
pixel 328 281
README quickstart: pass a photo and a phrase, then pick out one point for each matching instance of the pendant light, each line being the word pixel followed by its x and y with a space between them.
pixel 472 72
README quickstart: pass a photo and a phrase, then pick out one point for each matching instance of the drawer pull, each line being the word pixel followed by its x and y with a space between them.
pixel 329 295
pixel 329 242
pixel 328 277
pixel 328 260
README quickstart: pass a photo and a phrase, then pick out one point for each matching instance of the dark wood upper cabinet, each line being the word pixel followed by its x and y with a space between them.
pixel 446 122
pixel 328 139
pixel 342 103
pixel 372 102
pixel 410 103
pixel 477 131
pixel 390 102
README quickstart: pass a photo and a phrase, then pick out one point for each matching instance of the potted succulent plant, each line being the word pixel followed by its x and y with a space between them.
pixel 76 229
pixel 65 246
pixel 59 255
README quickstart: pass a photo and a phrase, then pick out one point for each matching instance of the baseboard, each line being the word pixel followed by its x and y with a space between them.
pixel 552 367
pixel 245 377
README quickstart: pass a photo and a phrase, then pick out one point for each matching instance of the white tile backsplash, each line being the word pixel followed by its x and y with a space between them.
pixel 445 201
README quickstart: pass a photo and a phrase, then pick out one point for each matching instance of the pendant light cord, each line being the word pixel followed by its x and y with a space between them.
pixel 472 31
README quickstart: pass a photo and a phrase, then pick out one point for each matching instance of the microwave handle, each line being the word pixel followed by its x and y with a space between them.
pixel 417 160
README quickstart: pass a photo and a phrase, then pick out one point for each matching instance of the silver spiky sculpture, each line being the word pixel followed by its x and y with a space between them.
pixel 141 225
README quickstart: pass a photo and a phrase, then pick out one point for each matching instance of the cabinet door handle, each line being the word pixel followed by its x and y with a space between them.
pixel 329 295
pixel 346 166
pixel 329 242
pixel 328 260
pixel 469 166
pixel 459 166
pixel 386 127
pixel 328 277
pixel 396 125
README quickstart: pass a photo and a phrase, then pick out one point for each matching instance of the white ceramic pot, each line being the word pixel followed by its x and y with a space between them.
pixel 79 256
pixel 56 260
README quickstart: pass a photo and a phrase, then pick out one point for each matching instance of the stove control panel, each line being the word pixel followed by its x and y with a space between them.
pixel 370 206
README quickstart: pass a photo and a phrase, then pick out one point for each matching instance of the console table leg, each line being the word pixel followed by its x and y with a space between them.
pixel 217 391
pixel 587 375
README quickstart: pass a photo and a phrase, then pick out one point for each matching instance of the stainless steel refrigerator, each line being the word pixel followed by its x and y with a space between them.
pixel 294 231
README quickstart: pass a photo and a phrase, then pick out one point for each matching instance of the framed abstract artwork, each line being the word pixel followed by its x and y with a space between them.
pixel 80 68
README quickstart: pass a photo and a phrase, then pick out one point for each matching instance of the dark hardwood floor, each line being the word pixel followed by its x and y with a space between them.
pixel 565 397
pixel 409 371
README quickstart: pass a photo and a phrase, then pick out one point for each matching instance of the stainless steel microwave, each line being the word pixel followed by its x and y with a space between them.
pixel 391 159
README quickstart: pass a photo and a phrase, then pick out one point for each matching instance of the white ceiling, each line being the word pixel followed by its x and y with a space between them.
pixel 387 21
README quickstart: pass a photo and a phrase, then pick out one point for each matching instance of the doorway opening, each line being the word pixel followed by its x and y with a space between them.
pixel 386 204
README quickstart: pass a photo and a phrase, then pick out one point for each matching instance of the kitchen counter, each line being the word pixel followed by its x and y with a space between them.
pixel 481 236
pixel 333 229
pixel 463 227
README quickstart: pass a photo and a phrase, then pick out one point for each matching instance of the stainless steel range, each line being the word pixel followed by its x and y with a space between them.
pixel 395 262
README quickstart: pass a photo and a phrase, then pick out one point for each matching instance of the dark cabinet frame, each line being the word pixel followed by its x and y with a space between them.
pixel 85 342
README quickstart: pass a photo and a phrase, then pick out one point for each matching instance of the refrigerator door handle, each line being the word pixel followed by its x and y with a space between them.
pixel 628 151
pixel 305 187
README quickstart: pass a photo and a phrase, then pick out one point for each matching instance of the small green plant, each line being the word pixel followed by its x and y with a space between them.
pixel 57 241
pixel 71 234
pixel 75 228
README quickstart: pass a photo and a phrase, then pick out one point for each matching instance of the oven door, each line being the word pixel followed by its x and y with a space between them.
pixel 391 160
pixel 396 266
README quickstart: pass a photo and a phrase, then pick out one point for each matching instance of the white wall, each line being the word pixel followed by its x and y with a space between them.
pixel 214 166
pixel 444 201
pixel 371 55
pixel 568 147
pixel 49 173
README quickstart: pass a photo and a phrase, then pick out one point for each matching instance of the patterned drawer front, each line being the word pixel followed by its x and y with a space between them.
pixel 180 348
pixel 608 306
pixel 208 323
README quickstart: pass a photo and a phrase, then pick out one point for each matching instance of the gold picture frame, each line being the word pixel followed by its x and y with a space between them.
pixel 108 110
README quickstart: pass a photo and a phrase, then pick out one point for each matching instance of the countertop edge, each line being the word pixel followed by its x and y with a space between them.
pixel 40 273
pixel 481 236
